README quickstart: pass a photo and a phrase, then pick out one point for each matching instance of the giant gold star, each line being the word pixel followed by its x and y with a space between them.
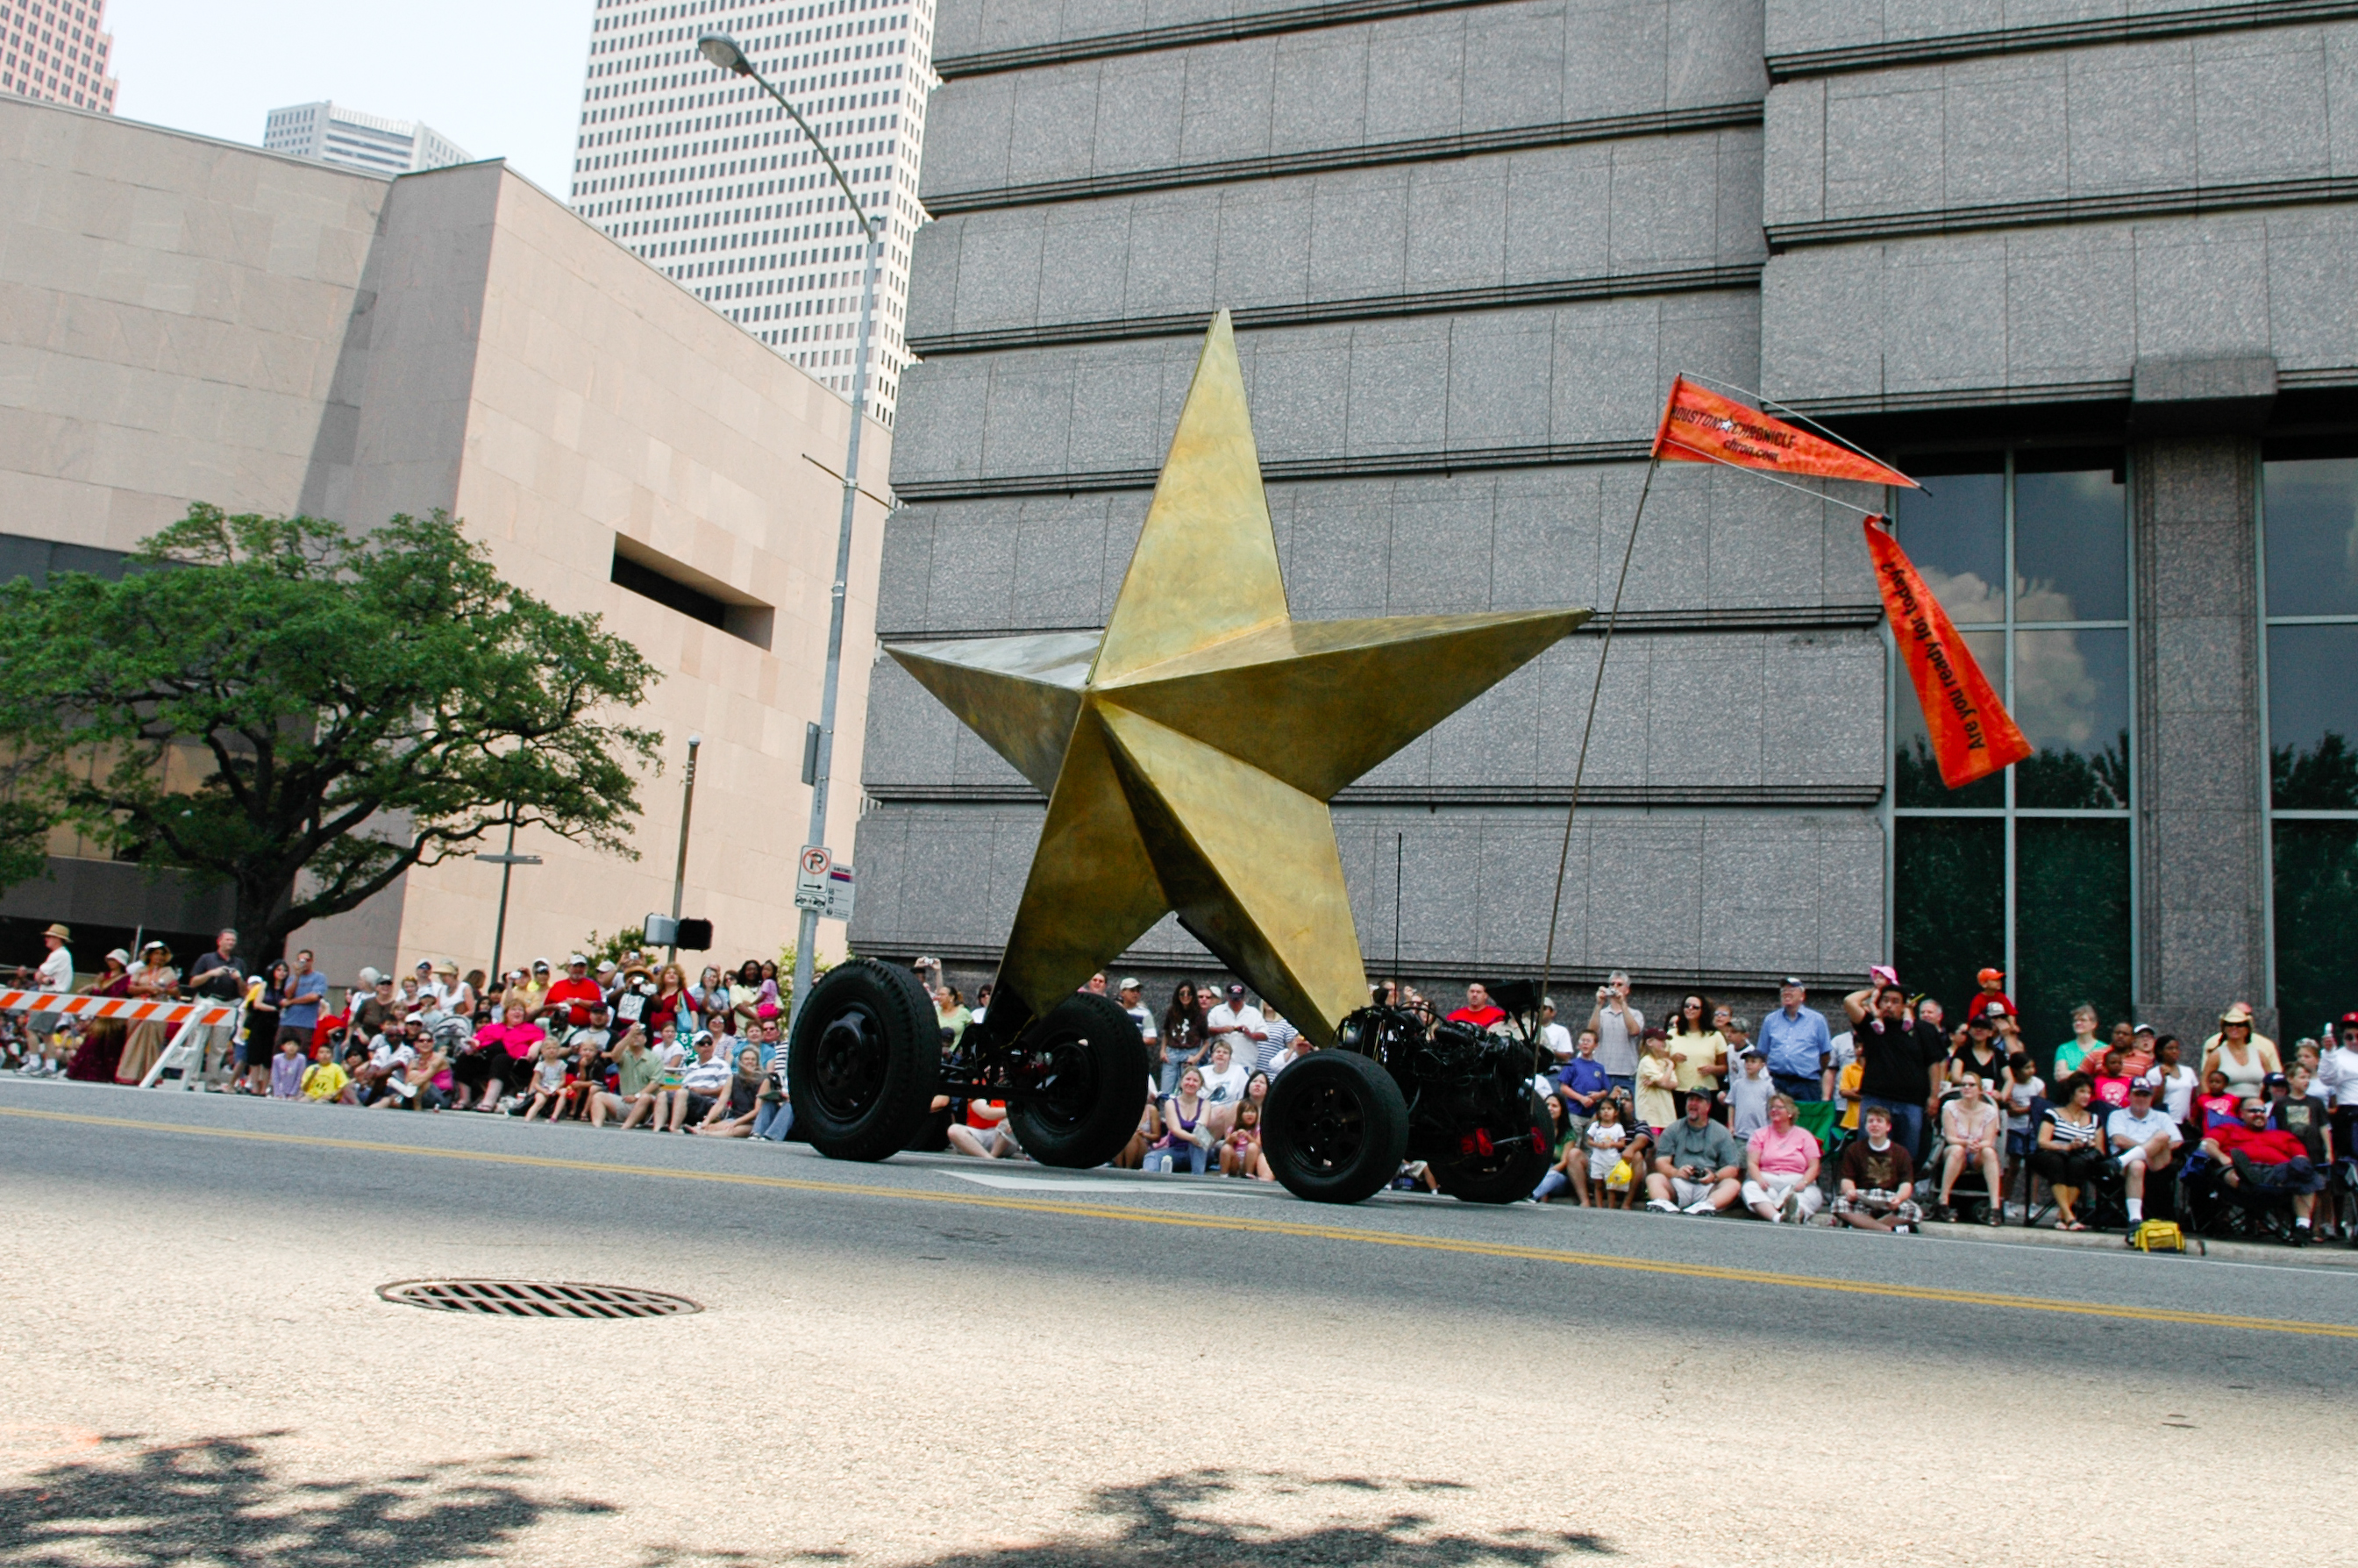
pixel 1188 751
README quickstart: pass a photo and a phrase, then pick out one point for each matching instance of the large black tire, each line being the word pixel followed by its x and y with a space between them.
pixel 1506 1174
pixel 864 1063
pixel 1336 1127
pixel 1095 1085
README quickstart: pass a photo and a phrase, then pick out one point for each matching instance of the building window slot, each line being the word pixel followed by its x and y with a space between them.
pixel 676 586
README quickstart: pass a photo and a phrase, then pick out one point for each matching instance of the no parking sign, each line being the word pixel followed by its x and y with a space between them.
pixel 822 885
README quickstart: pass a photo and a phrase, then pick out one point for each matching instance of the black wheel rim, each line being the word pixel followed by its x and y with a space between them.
pixel 1066 1075
pixel 1326 1127
pixel 849 1066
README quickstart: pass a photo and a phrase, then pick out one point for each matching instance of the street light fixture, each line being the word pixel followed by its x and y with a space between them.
pixel 722 52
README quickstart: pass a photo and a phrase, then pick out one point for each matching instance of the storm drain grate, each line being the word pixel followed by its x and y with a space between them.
pixel 535 1298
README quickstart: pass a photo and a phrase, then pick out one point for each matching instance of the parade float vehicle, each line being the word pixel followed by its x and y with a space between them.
pixel 1188 752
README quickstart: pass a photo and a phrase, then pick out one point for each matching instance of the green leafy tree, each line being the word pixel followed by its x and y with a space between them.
pixel 307 713
pixel 23 841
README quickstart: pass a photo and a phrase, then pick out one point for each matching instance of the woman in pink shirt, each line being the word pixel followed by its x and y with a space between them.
pixel 509 1045
pixel 1780 1168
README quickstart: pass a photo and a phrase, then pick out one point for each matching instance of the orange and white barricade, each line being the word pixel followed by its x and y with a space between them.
pixel 187 1049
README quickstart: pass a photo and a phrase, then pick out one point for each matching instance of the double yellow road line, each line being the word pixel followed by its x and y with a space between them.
pixel 1350 1235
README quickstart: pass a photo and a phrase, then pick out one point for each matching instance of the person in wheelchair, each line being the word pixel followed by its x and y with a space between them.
pixel 2253 1157
pixel 2144 1143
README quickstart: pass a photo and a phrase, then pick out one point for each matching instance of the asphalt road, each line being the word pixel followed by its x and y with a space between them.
pixel 936 1361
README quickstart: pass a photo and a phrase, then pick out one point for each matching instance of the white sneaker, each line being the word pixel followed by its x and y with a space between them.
pixel 1791 1210
pixel 1704 1206
pixel 1660 1206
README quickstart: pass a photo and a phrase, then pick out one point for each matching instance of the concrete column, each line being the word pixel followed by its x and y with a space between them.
pixel 2204 876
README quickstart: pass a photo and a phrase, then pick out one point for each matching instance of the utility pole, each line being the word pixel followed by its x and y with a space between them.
pixel 679 872
pixel 507 863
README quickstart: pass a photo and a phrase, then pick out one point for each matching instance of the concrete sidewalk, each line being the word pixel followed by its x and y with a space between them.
pixel 2333 1254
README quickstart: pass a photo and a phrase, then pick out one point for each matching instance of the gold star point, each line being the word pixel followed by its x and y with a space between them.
pixel 1189 751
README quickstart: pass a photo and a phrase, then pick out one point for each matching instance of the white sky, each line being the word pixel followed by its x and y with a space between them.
pixel 501 78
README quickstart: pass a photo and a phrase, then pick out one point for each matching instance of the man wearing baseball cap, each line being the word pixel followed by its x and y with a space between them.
pixel 1239 1023
pixel 567 1002
pixel 1133 1002
pixel 1697 1162
pixel 2145 1140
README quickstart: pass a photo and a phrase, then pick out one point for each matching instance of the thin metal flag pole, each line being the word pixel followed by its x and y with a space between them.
pixel 1400 857
pixel 1596 692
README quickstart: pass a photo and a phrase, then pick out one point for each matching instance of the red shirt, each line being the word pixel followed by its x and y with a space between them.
pixel 2265 1148
pixel 580 994
pixel 1480 1017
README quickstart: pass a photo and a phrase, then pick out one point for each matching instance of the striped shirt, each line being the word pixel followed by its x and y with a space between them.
pixel 2074 1134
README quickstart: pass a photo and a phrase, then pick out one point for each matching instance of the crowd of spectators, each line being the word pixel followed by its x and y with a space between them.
pixel 1894 1118
pixel 633 1043
pixel 1900 1117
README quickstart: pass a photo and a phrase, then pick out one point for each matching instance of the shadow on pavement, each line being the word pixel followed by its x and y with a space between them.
pixel 1190 1520
pixel 217 1501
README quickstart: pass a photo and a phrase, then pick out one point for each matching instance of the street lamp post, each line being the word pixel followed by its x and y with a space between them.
pixel 679 872
pixel 722 52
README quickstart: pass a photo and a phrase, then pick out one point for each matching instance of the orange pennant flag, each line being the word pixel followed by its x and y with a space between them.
pixel 1699 425
pixel 1972 734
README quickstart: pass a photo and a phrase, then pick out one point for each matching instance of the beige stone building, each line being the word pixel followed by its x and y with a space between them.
pixel 183 319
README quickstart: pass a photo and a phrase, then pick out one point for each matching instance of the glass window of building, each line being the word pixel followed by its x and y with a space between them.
pixel 2031 870
pixel 2310 552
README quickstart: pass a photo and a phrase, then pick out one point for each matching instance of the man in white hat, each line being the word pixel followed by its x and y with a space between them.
pixel 56 973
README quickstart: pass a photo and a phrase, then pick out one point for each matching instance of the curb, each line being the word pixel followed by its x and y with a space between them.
pixel 2333 1254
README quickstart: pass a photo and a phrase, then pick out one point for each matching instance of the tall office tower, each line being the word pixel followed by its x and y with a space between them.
pixel 705 175
pixel 58 51
pixel 1468 246
pixel 335 132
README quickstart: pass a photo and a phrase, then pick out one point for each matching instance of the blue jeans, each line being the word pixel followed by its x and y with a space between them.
pixel 1170 1160
pixel 1907 1122
pixel 774 1120
pixel 1803 1088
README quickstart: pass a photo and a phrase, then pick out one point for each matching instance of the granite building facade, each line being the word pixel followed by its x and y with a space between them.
pixel 2085 265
